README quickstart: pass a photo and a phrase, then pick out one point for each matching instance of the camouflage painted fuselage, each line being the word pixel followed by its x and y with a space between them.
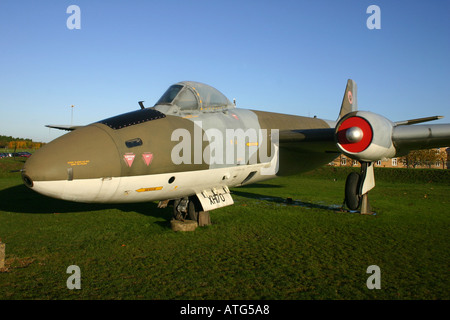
pixel 167 152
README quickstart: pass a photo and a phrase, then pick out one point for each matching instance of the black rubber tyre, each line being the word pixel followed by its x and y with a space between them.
pixel 352 198
pixel 194 208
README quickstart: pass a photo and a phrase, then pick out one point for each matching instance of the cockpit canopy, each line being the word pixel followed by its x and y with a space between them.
pixel 194 96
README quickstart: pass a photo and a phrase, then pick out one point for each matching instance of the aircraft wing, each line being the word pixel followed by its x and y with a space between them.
pixel 63 127
pixel 415 137
pixel 308 135
pixel 318 140
pixel 386 139
pixel 368 137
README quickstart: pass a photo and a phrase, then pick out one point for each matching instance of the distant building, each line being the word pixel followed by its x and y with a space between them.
pixel 440 161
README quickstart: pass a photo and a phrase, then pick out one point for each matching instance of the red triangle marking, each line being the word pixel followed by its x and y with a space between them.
pixel 148 157
pixel 129 158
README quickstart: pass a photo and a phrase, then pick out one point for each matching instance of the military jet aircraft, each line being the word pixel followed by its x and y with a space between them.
pixel 194 144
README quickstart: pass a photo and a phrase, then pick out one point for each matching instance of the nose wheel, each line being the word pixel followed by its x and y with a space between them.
pixel 186 209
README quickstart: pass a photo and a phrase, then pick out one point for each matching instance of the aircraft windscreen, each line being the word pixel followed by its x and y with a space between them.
pixel 189 95
pixel 170 94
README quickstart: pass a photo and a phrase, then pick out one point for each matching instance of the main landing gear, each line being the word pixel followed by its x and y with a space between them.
pixel 357 187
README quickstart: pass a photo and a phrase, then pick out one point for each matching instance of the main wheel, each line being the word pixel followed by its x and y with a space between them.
pixel 352 197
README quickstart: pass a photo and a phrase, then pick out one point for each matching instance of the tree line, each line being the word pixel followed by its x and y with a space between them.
pixel 426 157
pixel 8 142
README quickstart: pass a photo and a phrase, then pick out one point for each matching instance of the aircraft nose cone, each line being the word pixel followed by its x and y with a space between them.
pixel 85 153
pixel 354 134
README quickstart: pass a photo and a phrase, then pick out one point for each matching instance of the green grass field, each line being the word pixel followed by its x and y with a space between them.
pixel 259 248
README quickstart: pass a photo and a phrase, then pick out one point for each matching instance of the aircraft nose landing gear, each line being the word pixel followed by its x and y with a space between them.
pixel 357 187
pixel 186 209
pixel 190 208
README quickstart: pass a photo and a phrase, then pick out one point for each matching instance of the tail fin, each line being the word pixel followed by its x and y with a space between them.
pixel 350 100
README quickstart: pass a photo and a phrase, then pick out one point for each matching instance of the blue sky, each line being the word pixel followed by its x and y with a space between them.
pixel 283 56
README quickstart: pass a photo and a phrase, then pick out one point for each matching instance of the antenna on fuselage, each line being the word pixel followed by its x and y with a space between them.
pixel 141 103
pixel 71 116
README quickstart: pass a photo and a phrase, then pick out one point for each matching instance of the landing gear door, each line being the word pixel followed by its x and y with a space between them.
pixel 214 198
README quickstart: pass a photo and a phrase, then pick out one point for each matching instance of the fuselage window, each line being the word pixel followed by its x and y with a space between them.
pixel 133 143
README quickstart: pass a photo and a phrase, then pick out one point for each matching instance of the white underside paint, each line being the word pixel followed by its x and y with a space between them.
pixel 152 187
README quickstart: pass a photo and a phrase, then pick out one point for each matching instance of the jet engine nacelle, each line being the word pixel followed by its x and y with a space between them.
pixel 365 136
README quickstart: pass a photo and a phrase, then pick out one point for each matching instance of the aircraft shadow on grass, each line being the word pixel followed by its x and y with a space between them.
pixel 20 199
pixel 286 201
